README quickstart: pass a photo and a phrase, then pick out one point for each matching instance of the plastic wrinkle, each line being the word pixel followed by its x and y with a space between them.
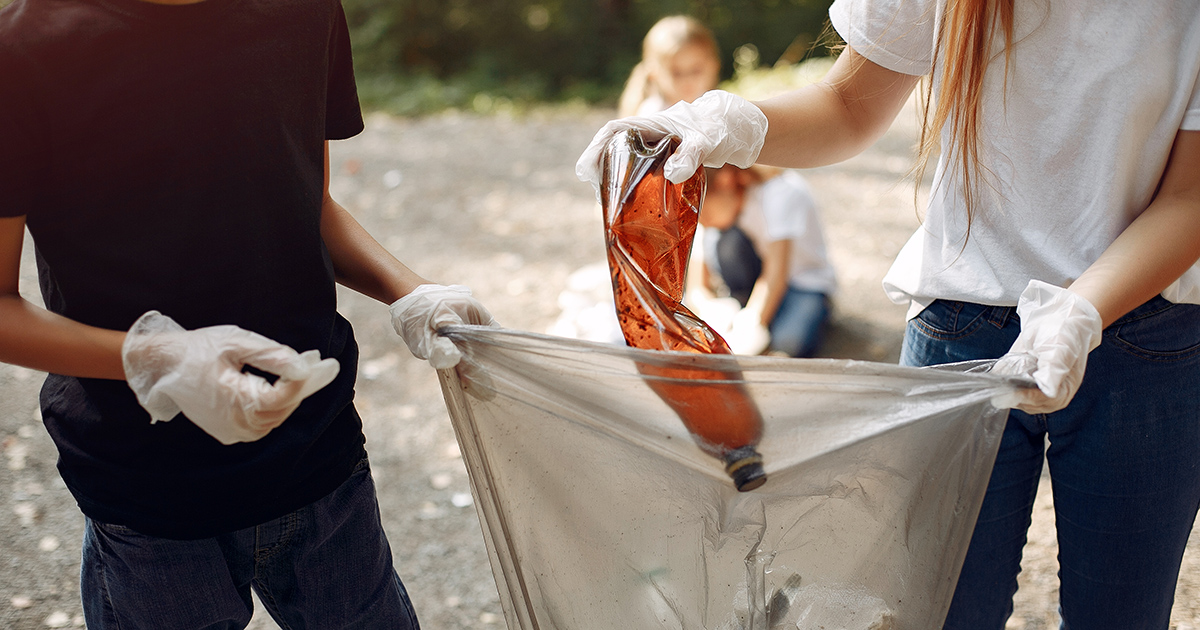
pixel 600 510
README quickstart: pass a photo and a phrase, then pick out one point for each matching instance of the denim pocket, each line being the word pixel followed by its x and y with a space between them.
pixel 113 529
pixel 1158 330
pixel 948 320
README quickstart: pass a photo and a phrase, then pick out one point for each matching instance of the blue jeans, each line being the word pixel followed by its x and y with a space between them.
pixel 327 565
pixel 799 323
pixel 1124 461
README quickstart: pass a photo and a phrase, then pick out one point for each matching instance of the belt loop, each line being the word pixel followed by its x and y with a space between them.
pixel 998 316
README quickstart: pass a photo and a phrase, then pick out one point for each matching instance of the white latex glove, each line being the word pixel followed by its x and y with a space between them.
pixel 199 373
pixel 1058 330
pixel 418 316
pixel 747 335
pixel 716 129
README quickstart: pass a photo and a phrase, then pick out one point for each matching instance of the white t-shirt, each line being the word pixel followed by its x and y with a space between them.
pixel 1097 90
pixel 783 208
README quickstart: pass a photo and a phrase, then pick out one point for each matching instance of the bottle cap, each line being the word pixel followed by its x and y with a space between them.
pixel 744 466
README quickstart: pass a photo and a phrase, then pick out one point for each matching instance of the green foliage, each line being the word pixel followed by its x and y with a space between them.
pixel 766 82
pixel 414 56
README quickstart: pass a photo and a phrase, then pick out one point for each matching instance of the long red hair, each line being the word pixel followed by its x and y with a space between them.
pixel 965 47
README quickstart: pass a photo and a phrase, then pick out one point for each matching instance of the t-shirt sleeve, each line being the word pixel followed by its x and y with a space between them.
pixel 896 34
pixel 20 159
pixel 1191 117
pixel 343 115
pixel 787 207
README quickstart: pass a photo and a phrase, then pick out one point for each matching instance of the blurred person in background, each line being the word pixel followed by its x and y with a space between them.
pixel 680 61
pixel 784 249
pixel 170 160
pixel 763 245
pixel 1061 238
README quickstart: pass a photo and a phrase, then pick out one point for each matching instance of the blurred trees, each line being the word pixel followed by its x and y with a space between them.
pixel 559 48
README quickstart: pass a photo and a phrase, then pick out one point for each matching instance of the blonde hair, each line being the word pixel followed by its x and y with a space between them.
pixel 664 40
pixel 965 40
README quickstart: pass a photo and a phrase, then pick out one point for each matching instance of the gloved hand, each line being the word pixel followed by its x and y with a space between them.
pixel 747 335
pixel 418 315
pixel 1058 330
pixel 199 372
pixel 716 129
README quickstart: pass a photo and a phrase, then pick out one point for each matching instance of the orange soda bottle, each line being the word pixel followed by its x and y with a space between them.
pixel 649 224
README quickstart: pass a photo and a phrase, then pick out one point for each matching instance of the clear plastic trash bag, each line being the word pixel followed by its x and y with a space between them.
pixel 600 511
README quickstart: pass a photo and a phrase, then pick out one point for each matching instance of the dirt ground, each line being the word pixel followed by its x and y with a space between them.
pixel 492 203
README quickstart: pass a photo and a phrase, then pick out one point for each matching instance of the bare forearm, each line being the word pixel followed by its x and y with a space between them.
pixel 360 262
pixel 33 337
pixel 836 118
pixel 772 285
pixel 1151 254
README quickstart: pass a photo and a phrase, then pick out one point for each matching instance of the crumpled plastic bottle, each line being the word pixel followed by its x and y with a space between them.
pixel 649 224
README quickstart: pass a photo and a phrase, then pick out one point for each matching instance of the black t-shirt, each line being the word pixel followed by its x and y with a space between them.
pixel 171 158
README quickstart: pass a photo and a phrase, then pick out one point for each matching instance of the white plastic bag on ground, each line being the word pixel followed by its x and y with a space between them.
pixel 601 512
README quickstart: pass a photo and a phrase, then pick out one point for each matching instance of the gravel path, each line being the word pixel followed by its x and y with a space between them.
pixel 492 203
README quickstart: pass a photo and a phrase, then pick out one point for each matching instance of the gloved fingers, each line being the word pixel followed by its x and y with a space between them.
pixel 267 400
pixel 443 354
pixel 1054 369
pixel 321 373
pixel 684 162
pixel 1015 363
pixel 154 322
pixel 158 403
pixel 419 315
pixel 588 168
pixel 462 309
pixel 1055 387
pixel 1035 401
pixel 283 361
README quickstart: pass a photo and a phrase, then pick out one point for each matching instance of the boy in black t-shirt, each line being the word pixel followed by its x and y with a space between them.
pixel 170 161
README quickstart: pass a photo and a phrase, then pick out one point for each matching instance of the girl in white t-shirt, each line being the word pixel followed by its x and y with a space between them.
pixel 1062 233
pixel 762 240
pixel 680 61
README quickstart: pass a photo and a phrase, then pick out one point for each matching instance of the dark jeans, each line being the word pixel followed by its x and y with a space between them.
pixel 1124 461
pixel 799 323
pixel 327 565
pixel 737 263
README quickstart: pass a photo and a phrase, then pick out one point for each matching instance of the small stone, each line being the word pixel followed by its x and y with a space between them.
pixel 392 178
pixel 21 602
pixel 429 510
pixel 461 499
pixel 489 618
pixel 26 513
pixel 453 601
pixel 440 481
pixel 48 543
pixel 16 451
pixel 58 619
